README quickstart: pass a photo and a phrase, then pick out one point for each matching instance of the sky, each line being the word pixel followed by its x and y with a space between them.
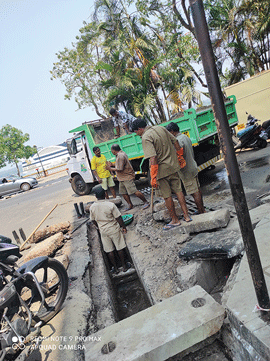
pixel 31 33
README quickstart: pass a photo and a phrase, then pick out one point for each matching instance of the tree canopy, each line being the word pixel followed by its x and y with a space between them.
pixel 12 147
pixel 240 34
pixel 143 56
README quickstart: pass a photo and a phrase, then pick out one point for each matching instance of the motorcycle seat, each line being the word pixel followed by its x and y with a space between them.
pixel 242 132
pixel 8 249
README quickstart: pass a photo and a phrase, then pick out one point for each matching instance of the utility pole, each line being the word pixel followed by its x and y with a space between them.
pixel 228 151
pixel 40 161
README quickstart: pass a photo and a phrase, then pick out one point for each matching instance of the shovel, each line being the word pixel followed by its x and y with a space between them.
pixel 152 201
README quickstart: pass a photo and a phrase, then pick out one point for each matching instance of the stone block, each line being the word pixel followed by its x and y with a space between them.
pixel 160 331
pixel 207 221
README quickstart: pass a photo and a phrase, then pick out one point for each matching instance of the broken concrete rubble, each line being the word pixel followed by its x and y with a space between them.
pixel 47 247
pixel 161 212
pixel 48 231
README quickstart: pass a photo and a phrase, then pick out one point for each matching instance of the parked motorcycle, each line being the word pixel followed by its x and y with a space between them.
pixel 29 297
pixel 266 127
pixel 252 136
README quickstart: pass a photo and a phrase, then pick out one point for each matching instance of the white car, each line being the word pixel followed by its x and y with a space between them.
pixel 14 185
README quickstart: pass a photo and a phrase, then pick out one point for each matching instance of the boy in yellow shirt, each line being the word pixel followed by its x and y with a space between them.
pixel 103 176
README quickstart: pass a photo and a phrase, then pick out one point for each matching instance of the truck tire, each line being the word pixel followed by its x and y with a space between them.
pixel 79 186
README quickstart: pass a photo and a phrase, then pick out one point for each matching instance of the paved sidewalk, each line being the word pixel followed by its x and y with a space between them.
pixel 251 330
pixel 49 177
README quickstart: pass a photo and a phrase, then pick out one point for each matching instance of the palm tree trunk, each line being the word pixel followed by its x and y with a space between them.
pixel 155 117
pixel 164 95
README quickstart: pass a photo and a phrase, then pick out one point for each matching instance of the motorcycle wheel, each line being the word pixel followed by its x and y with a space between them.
pixel 261 143
pixel 53 279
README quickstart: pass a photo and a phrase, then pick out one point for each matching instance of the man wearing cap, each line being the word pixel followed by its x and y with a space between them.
pixel 103 176
pixel 165 159
pixel 188 174
pixel 121 119
pixel 106 216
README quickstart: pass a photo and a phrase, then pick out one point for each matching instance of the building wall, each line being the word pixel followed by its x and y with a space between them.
pixel 253 97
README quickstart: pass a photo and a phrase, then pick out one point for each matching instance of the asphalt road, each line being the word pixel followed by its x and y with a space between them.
pixel 254 168
pixel 26 210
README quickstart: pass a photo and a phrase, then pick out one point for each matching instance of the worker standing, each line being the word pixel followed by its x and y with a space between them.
pixel 126 176
pixel 107 217
pixel 188 174
pixel 102 175
pixel 165 159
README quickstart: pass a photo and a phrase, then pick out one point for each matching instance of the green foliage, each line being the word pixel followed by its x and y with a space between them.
pixel 141 56
pixel 240 34
pixel 12 147
pixel 131 59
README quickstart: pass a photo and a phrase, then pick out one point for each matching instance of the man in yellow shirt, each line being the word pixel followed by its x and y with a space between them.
pixel 103 176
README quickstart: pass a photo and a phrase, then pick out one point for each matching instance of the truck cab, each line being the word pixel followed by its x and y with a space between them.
pixel 79 166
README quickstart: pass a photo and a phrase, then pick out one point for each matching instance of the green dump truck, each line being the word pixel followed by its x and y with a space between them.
pixel 199 125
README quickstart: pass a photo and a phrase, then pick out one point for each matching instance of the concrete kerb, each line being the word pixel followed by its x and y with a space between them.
pixel 62 337
pixel 250 330
pixel 53 176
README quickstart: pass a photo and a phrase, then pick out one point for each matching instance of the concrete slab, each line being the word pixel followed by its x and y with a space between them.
pixel 207 221
pixel 160 331
pixel 265 199
pixel 218 245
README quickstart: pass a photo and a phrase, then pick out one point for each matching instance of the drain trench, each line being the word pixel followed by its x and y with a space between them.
pixel 115 297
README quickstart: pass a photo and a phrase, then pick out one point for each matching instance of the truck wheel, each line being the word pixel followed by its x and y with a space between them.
pixel 79 186
pixel 262 143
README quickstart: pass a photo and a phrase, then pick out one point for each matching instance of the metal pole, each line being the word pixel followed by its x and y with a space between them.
pixel 40 161
pixel 231 164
